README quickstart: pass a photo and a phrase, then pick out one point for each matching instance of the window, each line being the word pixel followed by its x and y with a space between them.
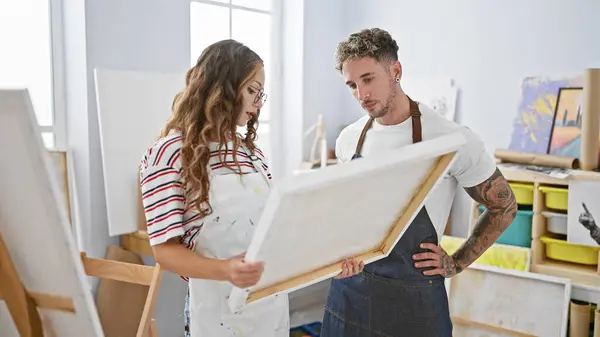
pixel 26 61
pixel 247 21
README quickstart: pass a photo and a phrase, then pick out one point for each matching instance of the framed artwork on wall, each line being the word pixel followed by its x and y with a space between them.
pixel 565 137
pixel 532 127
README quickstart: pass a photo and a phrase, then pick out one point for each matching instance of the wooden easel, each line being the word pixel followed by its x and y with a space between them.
pixel 131 273
pixel 23 305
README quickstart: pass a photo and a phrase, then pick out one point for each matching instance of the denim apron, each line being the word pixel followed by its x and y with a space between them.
pixel 391 297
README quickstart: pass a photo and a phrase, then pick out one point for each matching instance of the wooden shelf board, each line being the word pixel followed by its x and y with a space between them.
pixel 515 174
pixel 579 274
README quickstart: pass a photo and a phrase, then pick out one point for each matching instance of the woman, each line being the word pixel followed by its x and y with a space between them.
pixel 204 187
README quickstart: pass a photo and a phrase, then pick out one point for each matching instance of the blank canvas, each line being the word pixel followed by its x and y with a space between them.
pixel 439 94
pixel 528 303
pixel 312 222
pixel 34 222
pixel 133 107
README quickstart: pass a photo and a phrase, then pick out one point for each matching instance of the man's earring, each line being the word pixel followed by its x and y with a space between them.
pixel 397 79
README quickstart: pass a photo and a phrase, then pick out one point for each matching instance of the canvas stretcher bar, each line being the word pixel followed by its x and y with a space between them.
pixel 22 305
pixel 44 267
pixel 377 252
pixel 322 210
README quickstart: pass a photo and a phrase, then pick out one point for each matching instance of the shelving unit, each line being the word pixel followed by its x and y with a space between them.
pixel 585 278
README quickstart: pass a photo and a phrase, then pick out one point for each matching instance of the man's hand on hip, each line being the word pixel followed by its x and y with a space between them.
pixel 437 259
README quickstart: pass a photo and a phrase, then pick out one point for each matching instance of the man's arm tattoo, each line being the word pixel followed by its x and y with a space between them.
pixel 501 208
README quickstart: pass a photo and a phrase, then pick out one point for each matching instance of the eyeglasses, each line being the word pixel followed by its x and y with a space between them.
pixel 260 97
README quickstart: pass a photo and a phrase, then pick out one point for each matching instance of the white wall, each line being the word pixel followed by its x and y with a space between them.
pixel 323 85
pixel 311 86
pixel 487 47
pixel 291 105
pixel 117 34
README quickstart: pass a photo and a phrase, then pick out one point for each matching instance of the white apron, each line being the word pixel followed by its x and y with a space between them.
pixel 237 203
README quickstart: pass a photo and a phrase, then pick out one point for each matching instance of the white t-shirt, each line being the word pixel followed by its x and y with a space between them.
pixel 472 164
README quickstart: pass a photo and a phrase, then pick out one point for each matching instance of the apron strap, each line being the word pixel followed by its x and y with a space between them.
pixel 361 140
pixel 415 114
pixel 256 162
pixel 417 134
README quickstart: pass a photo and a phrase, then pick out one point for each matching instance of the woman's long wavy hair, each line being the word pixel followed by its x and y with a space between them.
pixel 207 111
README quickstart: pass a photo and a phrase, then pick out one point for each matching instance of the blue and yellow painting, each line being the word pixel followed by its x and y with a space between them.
pixel 566 134
pixel 533 126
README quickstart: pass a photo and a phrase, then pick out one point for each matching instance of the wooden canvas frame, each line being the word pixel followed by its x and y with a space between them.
pixel 44 285
pixel 45 263
pixel 150 276
pixel 558 105
pixel 439 153
pixel 59 158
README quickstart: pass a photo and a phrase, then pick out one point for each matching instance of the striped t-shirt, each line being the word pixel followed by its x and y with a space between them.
pixel 168 213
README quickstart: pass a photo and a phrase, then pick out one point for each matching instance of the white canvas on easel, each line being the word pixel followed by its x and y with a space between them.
pixel 35 228
pixel 311 222
pixel 132 109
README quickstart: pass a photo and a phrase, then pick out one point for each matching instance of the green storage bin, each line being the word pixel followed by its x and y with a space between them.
pixel 519 231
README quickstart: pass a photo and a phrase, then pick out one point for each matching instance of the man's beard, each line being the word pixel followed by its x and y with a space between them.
pixel 389 102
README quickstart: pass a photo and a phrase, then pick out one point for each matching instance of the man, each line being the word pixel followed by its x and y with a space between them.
pixel 404 294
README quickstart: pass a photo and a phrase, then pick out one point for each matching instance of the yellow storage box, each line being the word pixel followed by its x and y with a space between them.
pixel 556 197
pixel 523 193
pixel 561 250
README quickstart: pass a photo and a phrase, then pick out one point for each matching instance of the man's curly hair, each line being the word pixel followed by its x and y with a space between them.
pixel 375 42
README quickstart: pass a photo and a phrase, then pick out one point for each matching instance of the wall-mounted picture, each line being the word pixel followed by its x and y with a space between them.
pixel 565 139
pixel 583 219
